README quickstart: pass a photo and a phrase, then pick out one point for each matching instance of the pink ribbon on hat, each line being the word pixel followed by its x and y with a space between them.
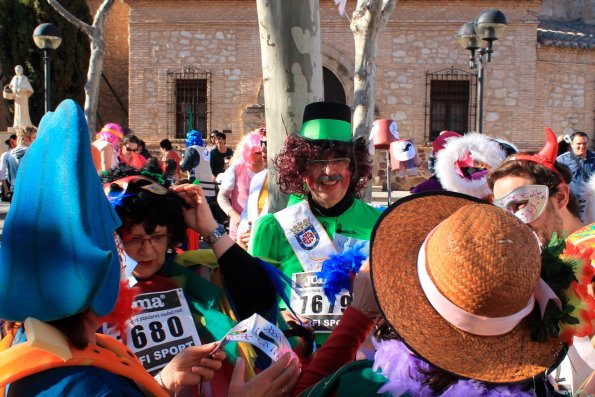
pixel 472 323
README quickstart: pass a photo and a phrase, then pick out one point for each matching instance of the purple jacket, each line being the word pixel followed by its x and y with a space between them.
pixel 430 185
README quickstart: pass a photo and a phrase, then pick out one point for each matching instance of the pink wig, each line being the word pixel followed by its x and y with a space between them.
pixel 249 145
pixel 112 133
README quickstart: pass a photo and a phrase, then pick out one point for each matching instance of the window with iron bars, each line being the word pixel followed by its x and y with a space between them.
pixel 189 101
pixel 450 101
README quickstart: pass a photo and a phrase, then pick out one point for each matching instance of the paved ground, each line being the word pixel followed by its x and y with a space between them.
pixel 382 197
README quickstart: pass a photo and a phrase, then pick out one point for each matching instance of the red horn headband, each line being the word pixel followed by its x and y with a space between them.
pixel 546 156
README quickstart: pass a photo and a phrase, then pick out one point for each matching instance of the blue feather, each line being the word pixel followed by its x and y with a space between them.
pixel 339 270
pixel 116 198
pixel 279 281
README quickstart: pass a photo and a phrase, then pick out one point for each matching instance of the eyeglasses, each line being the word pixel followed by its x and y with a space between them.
pixel 136 181
pixel 322 164
pixel 137 241
pixel 130 149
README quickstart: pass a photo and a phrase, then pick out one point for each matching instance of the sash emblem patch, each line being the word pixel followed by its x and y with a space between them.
pixel 305 234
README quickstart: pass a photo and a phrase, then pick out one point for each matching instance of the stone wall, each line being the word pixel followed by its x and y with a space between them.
pixel 566 93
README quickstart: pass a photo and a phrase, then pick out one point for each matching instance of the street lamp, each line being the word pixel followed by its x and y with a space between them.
pixel 47 37
pixel 489 27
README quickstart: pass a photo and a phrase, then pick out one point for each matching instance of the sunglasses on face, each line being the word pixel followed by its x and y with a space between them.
pixel 136 181
pixel 128 148
pixel 319 165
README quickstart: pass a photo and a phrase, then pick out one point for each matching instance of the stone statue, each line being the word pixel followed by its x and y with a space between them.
pixel 19 90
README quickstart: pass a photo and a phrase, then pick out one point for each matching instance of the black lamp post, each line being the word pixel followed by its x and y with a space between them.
pixel 47 37
pixel 489 27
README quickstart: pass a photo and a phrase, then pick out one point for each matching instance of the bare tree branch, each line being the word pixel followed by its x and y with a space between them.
pixel 388 6
pixel 102 13
pixel 95 33
pixel 71 18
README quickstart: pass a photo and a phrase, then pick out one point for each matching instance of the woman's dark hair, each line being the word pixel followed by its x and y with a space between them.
pixel 219 134
pixel 152 166
pixel 73 328
pixel 140 206
pixel 292 162
pixel 130 138
pixel 166 145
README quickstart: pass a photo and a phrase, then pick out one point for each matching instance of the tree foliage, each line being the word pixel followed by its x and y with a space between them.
pixel 69 63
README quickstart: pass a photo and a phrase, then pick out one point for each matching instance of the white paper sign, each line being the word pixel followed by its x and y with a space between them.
pixel 163 329
pixel 260 333
pixel 127 264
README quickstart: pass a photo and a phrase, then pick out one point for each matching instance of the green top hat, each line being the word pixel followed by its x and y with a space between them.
pixel 327 121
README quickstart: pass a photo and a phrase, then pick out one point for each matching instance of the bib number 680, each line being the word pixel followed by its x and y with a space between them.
pixel 156 331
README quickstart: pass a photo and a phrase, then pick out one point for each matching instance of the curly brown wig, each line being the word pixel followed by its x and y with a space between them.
pixel 292 162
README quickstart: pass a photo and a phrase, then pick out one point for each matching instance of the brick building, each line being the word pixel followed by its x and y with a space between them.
pixel 201 60
pixel 168 60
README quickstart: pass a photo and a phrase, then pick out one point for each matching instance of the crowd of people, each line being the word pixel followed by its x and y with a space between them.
pixel 480 283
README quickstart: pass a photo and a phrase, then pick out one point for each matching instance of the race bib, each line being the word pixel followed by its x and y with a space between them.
pixel 163 329
pixel 344 244
pixel 311 303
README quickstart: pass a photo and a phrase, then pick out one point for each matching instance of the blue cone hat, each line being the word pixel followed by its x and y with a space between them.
pixel 58 255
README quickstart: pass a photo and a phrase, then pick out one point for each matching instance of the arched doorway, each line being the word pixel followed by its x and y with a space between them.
pixel 333 89
pixel 252 115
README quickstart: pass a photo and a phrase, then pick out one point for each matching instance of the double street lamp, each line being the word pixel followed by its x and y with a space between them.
pixel 47 37
pixel 489 27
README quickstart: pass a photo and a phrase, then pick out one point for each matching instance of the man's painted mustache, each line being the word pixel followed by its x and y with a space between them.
pixel 329 178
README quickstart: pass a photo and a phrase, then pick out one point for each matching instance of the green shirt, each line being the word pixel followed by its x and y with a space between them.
pixel 356 379
pixel 269 241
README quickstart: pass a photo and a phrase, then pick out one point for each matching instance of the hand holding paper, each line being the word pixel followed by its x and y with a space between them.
pixel 191 367
pixel 259 333
pixel 277 380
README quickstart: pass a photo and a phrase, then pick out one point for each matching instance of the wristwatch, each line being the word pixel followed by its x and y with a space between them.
pixel 215 235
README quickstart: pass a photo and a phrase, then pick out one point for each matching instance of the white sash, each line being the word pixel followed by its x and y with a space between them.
pixel 306 236
pixel 256 185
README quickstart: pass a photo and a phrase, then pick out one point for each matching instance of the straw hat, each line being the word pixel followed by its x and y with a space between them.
pixel 480 258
